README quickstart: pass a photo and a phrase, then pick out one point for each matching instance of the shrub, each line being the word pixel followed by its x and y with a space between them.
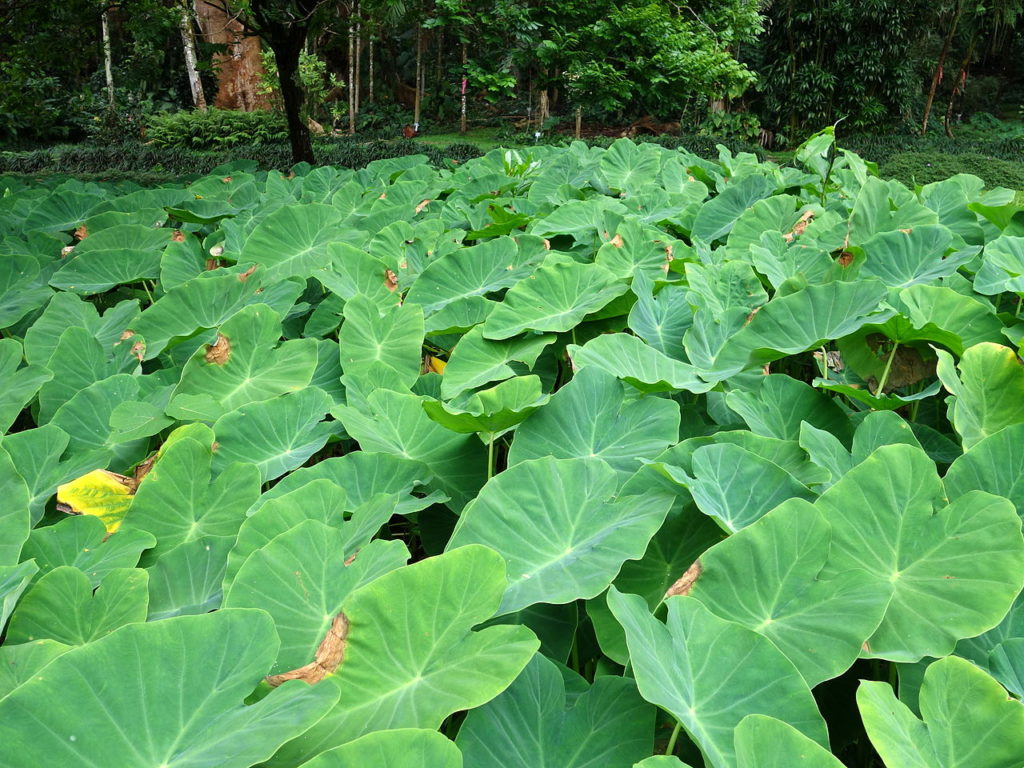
pixel 216 128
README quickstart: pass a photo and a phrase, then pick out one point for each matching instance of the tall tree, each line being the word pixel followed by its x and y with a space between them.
pixel 285 26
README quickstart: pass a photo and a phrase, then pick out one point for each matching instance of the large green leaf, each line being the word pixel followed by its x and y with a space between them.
pixel 304 607
pixel 766 742
pixel 39 455
pixel 561 530
pixel 490 410
pixel 695 665
pixel 62 606
pixel 180 685
pixel 15 518
pixel 766 577
pixel 392 338
pixel 968 721
pixel 65 310
pixel 397 424
pixel 995 464
pixel 411 657
pixel 398 748
pixel 471 272
pixel 292 241
pixel 913 256
pixel 22 287
pixel 179 500
pixel 187 579
pixel 736 486
pixel 555 297
pixel 988 392
pixel 628 167
pixel 531 724
pixel 276 435
pixel 476 361
pixel 113 256
pixel 888 518
pixel 635 362
pixel 206 302
pixel 242 366
pixel 781 404
pixel 83 541
pixel 20 382
pixel 19 663
pixel 717 216
pixel 590 416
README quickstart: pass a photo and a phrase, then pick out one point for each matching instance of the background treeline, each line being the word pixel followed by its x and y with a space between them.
pixel 751 70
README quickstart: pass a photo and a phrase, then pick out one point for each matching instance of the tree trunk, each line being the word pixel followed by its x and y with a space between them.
pixel 937 76
pixel 286 54
pixel 958 87
pixel 239 70
pixel 419 76
pixel 462 114
pixel 359 66
pixel 108 63
pixel 351 77
pixel 579 122
pixel 188 40
pixel 369 77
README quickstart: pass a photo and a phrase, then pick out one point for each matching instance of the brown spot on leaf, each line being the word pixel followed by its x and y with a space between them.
pixel 82 232
pixel 617 240
pixel 685 583
pixel 213 264
pixel 906 231
pixel 219 352
pixel 178 236
pixel 351 558
pixel 423 204
pixel 138 350
pixel 226 180
pixel 798 229
pixel 127 334
pixel 845 259
pixel 390 280
pixel 329 655
pixel 245 275
pixel 751 316
pixel 214 446
pixel 547 244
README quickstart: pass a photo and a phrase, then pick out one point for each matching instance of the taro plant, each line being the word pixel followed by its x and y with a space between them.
pixel 580 457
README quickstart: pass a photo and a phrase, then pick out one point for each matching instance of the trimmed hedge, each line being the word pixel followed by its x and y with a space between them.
pixel 925 167
pixel 175 162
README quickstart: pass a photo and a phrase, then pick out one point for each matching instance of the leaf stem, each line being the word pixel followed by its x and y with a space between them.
pixel 671 748
pixel 880 389
pixel 490 456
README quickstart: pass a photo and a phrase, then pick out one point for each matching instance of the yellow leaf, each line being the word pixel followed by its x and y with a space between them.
pixel 103 494
pixel 435 364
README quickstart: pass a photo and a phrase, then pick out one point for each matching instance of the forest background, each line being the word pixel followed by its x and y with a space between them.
pixel 940 78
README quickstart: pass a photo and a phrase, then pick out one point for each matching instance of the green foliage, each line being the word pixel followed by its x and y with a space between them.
pixel 501 456
pixel 216 128
pixel 926 167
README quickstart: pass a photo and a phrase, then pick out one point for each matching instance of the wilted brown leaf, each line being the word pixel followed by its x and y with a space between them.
pixel 329 656
pixel 245 275
pixel 799 227
pixel 219 352
pixel 685 583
